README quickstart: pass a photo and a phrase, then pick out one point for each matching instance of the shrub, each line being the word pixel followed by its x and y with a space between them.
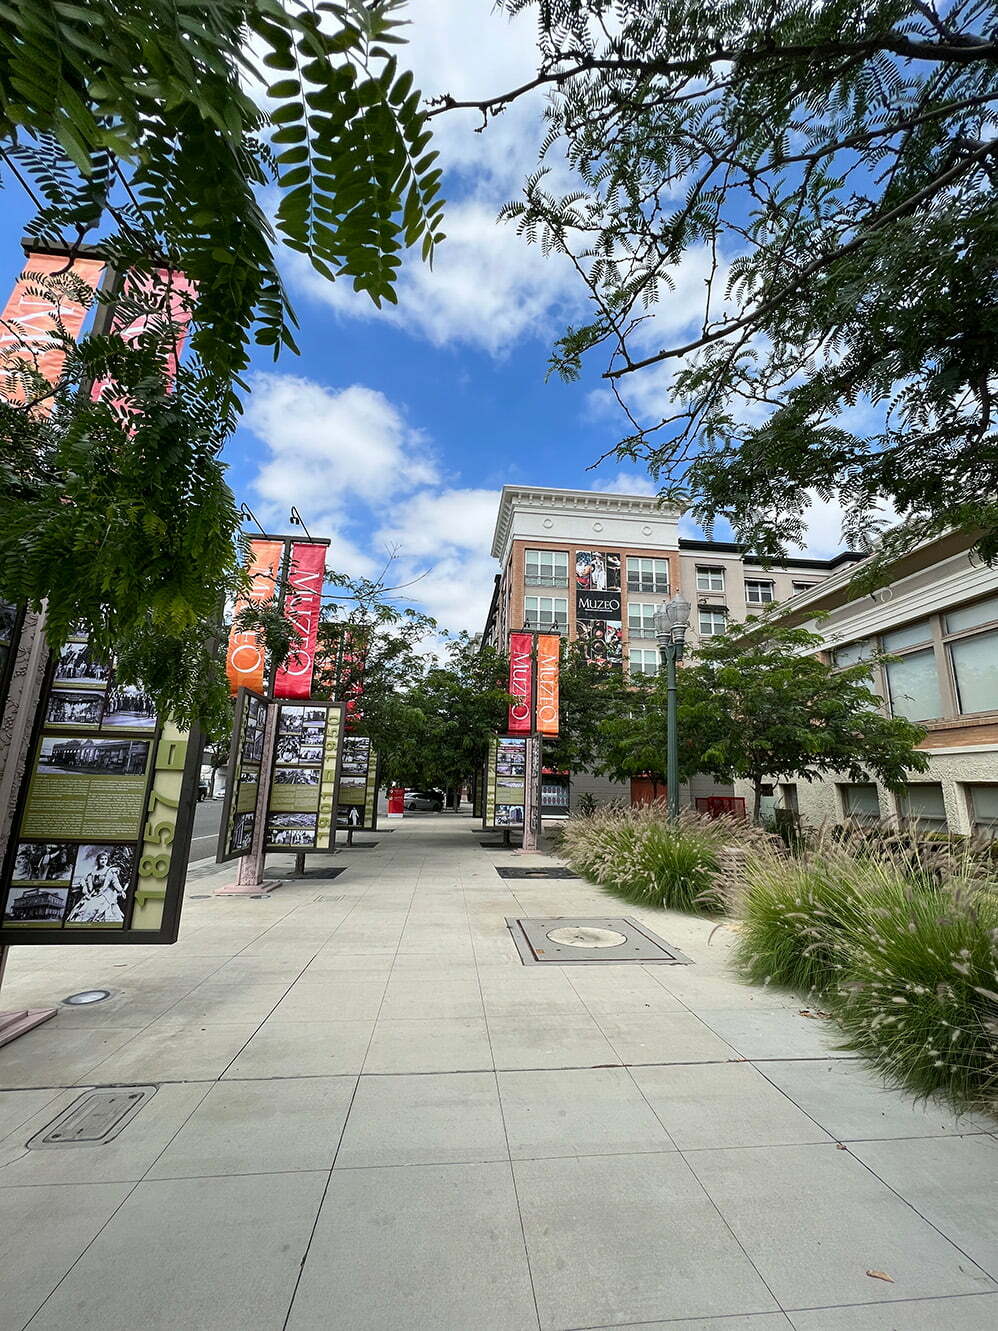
pixel 642 855
pixel 919 991
pixel 794 914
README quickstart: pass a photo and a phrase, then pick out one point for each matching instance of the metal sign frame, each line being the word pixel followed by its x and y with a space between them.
pixel 224 854
pixel 270 847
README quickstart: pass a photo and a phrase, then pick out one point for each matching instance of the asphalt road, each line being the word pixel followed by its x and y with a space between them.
pixel 206 820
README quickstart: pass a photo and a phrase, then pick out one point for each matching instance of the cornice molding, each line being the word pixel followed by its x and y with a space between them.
pixel 545 499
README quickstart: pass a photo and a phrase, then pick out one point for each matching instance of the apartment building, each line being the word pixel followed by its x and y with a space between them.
pixel 938 617
pixel 596 566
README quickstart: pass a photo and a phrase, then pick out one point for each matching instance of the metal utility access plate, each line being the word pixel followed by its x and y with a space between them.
pixel 516 872
pixel 590 941
pixel 95 1118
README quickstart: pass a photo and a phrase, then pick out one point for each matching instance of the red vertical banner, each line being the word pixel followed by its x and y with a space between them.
pixel 27 326
pixel 163 295
pixel 521 712
pixel 245 657
pixel 548 659
pixel 302 607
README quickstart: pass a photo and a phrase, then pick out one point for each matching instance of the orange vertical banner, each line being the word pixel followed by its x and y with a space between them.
pixel 245 658
pixel 27 325
pixel 548 660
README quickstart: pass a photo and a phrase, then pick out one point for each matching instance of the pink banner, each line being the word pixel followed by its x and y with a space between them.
pixel 302 608
pixel 29 319
pixel 172 296
pixel 521 712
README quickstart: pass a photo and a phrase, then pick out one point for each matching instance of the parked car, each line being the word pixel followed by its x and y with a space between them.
pixel 424 799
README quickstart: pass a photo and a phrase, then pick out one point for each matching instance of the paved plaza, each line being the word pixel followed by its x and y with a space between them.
pixel 371 1116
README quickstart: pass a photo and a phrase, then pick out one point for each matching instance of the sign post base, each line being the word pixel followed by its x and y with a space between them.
pixel 14 1024
pixel 248 889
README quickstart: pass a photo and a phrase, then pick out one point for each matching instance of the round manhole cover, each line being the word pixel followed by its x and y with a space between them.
pixel 580 935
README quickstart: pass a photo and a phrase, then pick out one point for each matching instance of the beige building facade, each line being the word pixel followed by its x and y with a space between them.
pixel 938 618
pixel 596 566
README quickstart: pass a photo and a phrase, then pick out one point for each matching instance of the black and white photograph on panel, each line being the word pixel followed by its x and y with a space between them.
pixel 242 830
pixel 38 904
pixel 130 707
pixel 297 776
pixel 44 861
pixel 76 664
pixel 509 815
pixel 100 884
pixel 310 753
pixel 71 707
pixel 253 747
pixel 356 751
pixel 92 756
pixel 288 749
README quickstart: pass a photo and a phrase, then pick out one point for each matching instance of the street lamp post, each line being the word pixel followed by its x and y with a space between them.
pixel 671 623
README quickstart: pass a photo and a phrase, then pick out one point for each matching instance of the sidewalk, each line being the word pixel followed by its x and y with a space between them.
pixel 372 1117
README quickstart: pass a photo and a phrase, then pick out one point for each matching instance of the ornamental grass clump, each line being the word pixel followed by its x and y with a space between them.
pixel 918 992
pixel 796 914
pixel 645 857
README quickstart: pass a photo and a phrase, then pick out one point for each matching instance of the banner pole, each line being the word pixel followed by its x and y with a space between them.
pixel 532 783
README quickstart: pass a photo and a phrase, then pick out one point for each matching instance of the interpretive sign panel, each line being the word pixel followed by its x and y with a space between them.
pixel 357 792
pixel 301 814
pixel 103 821
pixel 505 782
pixel 242 784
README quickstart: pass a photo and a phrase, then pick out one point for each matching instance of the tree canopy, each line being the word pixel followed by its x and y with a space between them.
pixel 758 703
pixel 811 189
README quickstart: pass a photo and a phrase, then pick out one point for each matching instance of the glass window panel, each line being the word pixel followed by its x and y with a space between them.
pixel 710 579
pixel 758 593
pixel 861 802
pixel 852 653
pixel 984 810
pixel 647 575
pixel 549 567
pixel 970 616
pixel 545 611
pixel 641 618
pixel 975 666
pixel 924 803
pixel 908 636
pixel 642 661
pixel 913 685
pixel 712 622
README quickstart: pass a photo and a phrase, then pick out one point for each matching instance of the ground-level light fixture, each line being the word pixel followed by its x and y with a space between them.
pixel 87 996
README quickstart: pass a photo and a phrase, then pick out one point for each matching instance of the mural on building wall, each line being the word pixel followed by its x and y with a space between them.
pixel 598 609
pixel 601 640
pixel 597 571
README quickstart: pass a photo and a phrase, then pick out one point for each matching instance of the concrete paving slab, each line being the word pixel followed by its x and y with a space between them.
pixel 171 1051
pixel 425 1248
pixel 723 1104
pixel 55 1055
pixel 443 1045
pixel 42 1233
pixel 593 1111
pixel 441 1118
pixel 549 1041
pixel 814 1221
pixel 668 1037
pixel 17 1107
pixel 751 1322
pixel 951 1181
pixel 849 1099
pixel 620 1239
pixel 777 1033
pixel 304 1049
pixel 222 1253
pixel 331 997
pixel 249 1127
pixel 975 1312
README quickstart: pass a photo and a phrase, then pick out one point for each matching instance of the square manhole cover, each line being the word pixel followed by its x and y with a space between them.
pixel 568 939
pixel 95 1118
pixel 516 872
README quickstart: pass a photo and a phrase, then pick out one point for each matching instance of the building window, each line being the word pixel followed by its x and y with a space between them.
pixel 803 586
pixel 758 591
pixel 971 640
pixel 710 579
pixel 922 805
pixel 546 568
pixel 913 685
pixel 546 612
pixel 983 801
pixel 647 575
pixel 860 803
pixel 712 622
pixel 852 653
pixel 643 662
pixel 641 619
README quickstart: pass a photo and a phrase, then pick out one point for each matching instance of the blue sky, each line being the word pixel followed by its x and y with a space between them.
pixel 393 433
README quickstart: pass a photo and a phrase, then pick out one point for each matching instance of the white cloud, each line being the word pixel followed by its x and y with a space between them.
pixel 627 483
pixel 363 477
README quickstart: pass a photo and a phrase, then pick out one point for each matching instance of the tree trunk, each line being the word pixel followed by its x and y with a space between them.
pixel 756 798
